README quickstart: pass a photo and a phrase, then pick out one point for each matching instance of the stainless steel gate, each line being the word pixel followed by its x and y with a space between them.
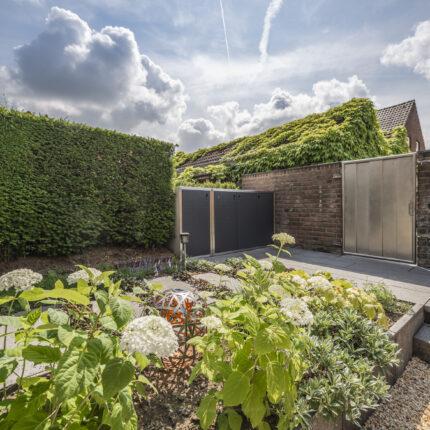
pixel 379 207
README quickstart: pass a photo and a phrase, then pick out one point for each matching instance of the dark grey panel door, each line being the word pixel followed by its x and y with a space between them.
pixel 265 216
pixel 196 220
pixel 225 205
pixel 246 220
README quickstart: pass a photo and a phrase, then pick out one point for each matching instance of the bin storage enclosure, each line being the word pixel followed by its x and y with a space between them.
pixel 220 220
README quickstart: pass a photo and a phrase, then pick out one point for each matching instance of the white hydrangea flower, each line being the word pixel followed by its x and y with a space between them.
pixel 319 282
pixel 283 239
pixel 296 279
pixel 279 290
pixel 149 335
pixel 297 311
pixel 211 322
pixel 74 277
pixel 20 280
pixel 266 265
pixel 223 268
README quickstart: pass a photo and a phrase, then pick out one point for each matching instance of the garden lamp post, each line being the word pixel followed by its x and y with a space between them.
pixel 185 239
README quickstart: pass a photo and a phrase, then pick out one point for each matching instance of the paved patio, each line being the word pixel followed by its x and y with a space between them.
pixel 408 282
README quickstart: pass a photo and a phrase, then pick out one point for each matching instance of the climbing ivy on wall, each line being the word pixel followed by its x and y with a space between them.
pixel 66 187
pixel 347 132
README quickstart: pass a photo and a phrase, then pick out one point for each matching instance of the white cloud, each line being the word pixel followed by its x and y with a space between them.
pixel 271 12
pixel 229 121
pixel 192 133
pixel 98 77
pixel 412 52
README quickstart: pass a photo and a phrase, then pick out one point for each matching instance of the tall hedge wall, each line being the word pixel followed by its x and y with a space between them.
pixel 66 187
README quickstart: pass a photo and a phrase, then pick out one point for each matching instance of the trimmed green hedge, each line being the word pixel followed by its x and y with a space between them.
pixel 347 132
pixel 66 187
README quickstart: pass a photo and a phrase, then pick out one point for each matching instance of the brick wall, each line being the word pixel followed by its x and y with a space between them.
pixel 308 203
pixel 423 209
pixel 413 128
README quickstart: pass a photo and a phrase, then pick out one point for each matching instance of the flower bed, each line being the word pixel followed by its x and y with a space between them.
pixel 286 348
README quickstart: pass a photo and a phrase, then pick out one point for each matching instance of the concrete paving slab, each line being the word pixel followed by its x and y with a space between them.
pixel 407 281
pixel 215 279
pixel 168 283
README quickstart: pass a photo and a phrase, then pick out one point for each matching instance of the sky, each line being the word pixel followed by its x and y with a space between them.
pixel 200 72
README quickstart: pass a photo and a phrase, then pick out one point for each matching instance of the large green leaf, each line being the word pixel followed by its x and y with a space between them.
pixel 77 370
pixel 67 294
pixel 106 348
pixel 101 299
pixel 108 322
pixel 121 311
pixel 117 374
pixel 10 321
pixel 7 366
pixel 57 317
pixel 33 316
pixel 253 406
pixel 263 343
pixel 82 287
pixel 67 334
pixel 235 389
pixel 35 420
pixel 276 383
pixel 207 411
pixel 127 404
pixel 234 420
pixel 6 299
pixel 41 354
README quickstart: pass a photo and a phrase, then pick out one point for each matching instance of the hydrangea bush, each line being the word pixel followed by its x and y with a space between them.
pixel 290 346
pixel 93 353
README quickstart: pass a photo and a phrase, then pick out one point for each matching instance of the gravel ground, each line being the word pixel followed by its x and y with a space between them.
pixel 409 406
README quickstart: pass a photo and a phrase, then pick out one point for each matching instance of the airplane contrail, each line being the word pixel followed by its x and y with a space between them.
pixel 271 12
pixel 225 30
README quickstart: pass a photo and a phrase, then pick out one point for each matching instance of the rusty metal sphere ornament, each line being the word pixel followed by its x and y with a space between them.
pixel 184 310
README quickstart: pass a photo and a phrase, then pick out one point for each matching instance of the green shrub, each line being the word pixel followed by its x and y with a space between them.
pixel 93 376
pixel 67 187
pixel 289 346
pixel 387 299
pixel 200 265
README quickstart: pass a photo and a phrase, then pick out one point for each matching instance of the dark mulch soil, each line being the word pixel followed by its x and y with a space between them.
pixel 393 318
pixel 176 404
pixel 91 258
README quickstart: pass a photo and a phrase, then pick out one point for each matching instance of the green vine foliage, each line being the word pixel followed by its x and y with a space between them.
pixel 347 132
pixel 216 174
pixel 65 187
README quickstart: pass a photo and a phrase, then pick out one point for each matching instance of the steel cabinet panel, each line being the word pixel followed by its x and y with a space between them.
pixel 265 219
pixel 246 220
pixel 225 221
pixel 196 220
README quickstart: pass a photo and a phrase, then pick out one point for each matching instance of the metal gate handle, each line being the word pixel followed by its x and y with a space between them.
pixel 411 208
